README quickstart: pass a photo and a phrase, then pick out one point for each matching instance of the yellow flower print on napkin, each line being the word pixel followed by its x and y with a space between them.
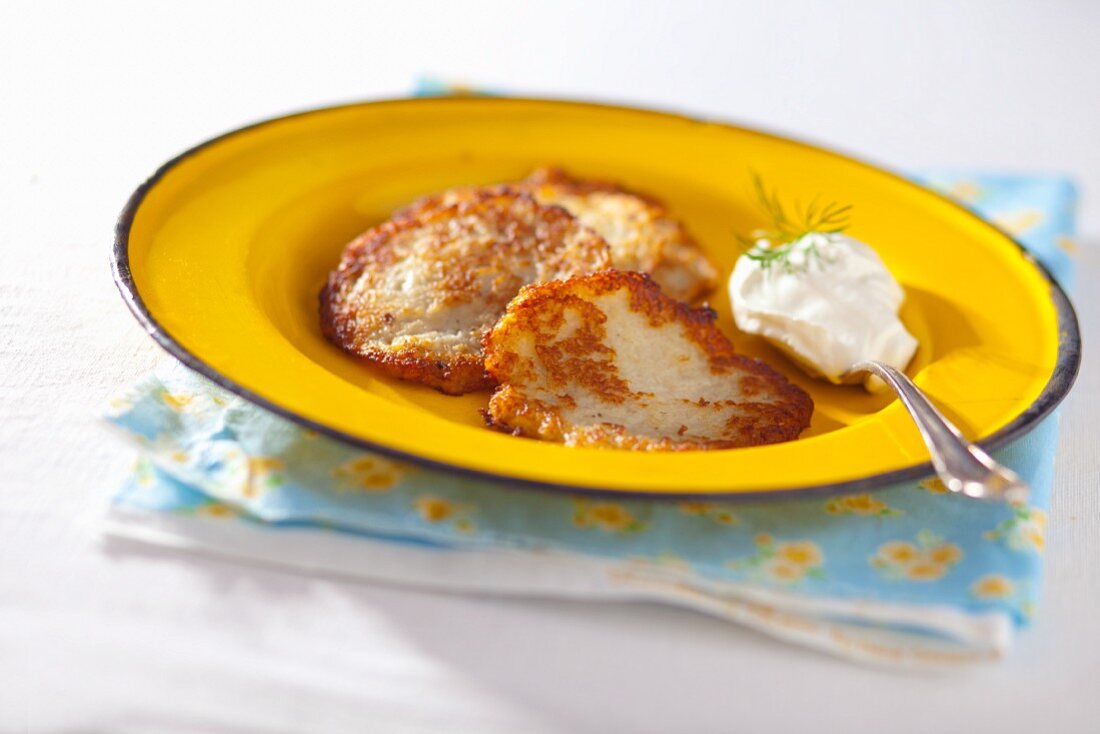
pixel 144 472
pixel 118 405
pixel 928 559
pixel 965 191
pixel 217 510
pixel 860 504
pixel 1024 531
pixel 264 472
pixel 435 510
pixel 718 514
pixel 370 473
pixel 993 586
pixel 1019 222
pixel 607 516
pixel 181 401
pixel 176 401
pixel 784 561
pixel 934 485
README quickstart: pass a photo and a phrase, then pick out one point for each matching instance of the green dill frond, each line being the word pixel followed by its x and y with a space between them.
pixel 789 224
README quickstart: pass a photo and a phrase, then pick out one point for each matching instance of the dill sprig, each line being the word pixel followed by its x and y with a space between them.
pixel 788 226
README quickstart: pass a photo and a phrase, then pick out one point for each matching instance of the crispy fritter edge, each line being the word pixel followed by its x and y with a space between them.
pixel 459 374
pixel 792 413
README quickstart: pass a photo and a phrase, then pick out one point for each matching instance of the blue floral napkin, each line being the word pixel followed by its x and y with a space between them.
pixel 908 576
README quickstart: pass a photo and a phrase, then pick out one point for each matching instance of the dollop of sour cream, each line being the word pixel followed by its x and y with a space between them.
pixel 832 303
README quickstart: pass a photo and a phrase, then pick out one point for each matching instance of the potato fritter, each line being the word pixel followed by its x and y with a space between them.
pixel 642 235
pixel 607 359
pixel 416 295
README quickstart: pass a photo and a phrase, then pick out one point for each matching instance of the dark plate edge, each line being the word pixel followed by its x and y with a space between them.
pixel 1061 380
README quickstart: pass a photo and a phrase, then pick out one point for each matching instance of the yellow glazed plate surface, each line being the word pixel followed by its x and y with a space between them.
pixel 222 253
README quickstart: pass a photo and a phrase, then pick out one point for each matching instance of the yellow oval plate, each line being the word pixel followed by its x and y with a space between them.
pixel 221 255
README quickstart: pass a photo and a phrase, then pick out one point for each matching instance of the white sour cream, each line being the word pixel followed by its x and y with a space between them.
pixel 831 305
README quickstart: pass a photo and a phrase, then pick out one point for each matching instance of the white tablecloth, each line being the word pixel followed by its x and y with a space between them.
pixel 121 638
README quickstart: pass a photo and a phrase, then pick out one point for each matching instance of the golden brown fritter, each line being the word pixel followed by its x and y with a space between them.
pixel 641 234
pixel 416 295
pixel 607 359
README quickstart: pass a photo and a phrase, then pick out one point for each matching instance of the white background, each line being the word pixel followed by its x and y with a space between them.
pixel 94 96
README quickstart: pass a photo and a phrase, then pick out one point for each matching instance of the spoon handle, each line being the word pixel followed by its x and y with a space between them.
pixel 963 466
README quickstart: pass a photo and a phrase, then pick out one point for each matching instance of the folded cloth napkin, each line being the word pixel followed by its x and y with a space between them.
pixel 908 576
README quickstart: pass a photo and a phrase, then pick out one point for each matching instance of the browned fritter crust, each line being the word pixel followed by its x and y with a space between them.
pixel 416 294
pixel 642 235
pixel 556 353
pixel 559 179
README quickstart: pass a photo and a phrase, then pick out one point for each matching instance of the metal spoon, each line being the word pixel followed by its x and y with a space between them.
pixel 963 466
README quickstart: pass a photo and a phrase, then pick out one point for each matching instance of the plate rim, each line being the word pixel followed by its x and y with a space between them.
pixel 1066 367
